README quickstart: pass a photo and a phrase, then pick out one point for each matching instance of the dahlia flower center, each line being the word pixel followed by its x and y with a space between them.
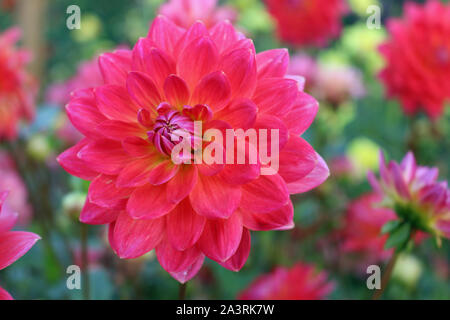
pixel 169 128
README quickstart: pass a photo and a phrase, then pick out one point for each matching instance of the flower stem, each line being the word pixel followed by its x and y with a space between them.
pixel 386 276
pixel 182 291
pixel 85 261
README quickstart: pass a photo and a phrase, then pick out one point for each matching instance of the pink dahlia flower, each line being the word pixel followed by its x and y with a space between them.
pixel 17 88
pixel 308 22
pixel 13 244
pixel 418 58
pixel 301 282
pixel 185 12
pixel 415 194
pixel 18 197
pixel 361 233
pixel 170 79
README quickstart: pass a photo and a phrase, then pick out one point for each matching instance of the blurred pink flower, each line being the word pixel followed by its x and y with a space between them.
pixel 301 282
pixel 415 194
pixel 13 244
pixel 17 88
pixel 18 196
pixel 361 233
pixel 186 211
pixel 418 58
pixel 305 66
pixel 88 76
pixel 342 166
pixel 185 12
pixel 335 84
pixel 308 22
pixel 338 84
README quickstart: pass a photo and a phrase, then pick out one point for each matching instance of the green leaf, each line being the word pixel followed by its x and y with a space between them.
pixel 391 226
pixel 399 238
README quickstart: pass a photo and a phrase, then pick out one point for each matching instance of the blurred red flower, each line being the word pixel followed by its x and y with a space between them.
pixel 17 88
pixel 10 180
pixel 418 58
pixel 171 78
pixel 301 282
pixel 361 233
pixel 308 22
pixel 186 12
pixel 13 244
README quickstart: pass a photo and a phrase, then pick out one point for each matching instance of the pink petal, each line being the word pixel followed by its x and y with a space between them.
pixel 272 63
pixel 213 91
pixel 399 182
pixel 138 147
pixel 265 194
pixel 234 113
pixel 134 238
pixel 163 172
pixel 115 66
pixel 3 196
pixel 95 154
pixel 180 186
pixel 75 166
pixel 204 53
pixel 118 130
pixel 275 96
pixel 409 167
pixel 274 220
pixel 196 31
pixel 384 173
pixel 96 215
pixel 302 114
pixel 199 112
pixel 269 122
pixel 176 91
pixel 152 61
pixel 213 167
pixel 103 192
pixel 297 159
pixel 240 67
pixel 213 198
pixel 315 178
pixel 149 202
pixel 190 272
pixel 14 244
pixel 184 226
pixel 238 173
pixel 136 173
pixel 84 117
pixel 224 35
pixel 374 182
pixel 111 240
pixel 115 103
pixel 143 91
pixel 221 238
pixel 4 295
pixel 165 34
pixel 173 260
pixel 237 261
